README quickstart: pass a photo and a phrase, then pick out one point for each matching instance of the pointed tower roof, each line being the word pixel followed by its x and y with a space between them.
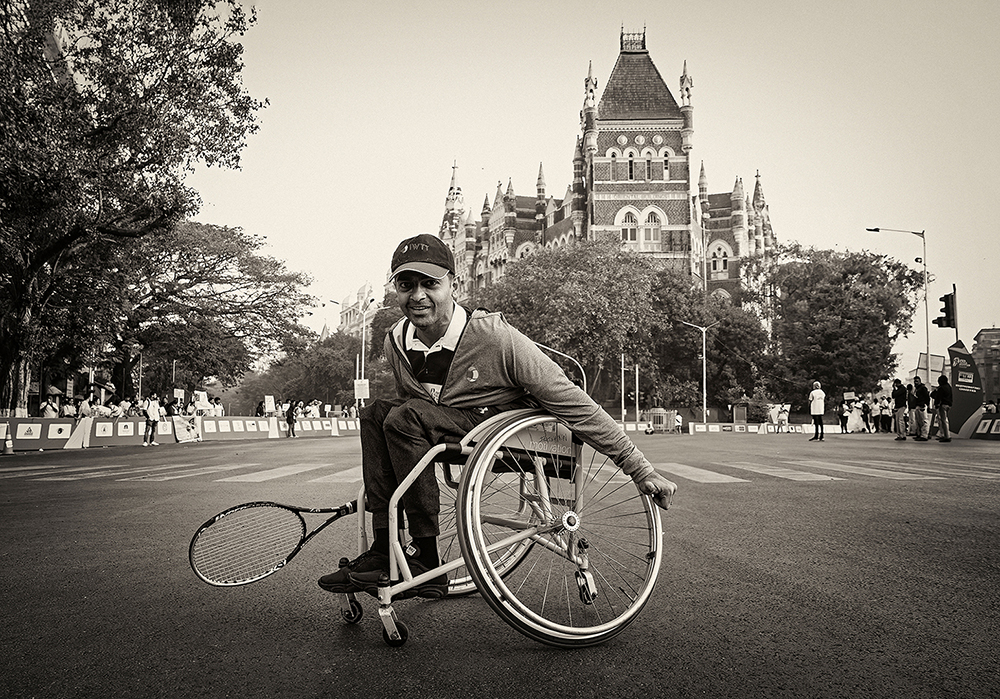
pixel 636 89
pixel 454 201
pixel 758 193
pixel 540 183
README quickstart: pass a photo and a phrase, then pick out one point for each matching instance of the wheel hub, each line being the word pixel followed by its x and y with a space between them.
pixel 570 521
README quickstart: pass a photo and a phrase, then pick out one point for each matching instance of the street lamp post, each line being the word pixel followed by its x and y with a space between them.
pixel 927 314
pixel 704 367
pixel 369 306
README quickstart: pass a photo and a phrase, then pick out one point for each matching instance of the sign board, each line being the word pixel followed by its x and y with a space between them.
pixel 361 389
pixel 201 400
pixel 269 404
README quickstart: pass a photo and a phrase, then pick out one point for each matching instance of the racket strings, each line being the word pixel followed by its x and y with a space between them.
pixel 247 544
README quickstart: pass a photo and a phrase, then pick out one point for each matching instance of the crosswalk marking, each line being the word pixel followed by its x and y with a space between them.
pixel 271 474
pixel 187 474
pixel 991 476
pixel 862 471
pixel 351 475
pixel 106 472
pixel 781 472
pixel 698 475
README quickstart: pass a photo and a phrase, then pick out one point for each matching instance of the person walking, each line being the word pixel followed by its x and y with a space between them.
pixel 899 409
pixel 817 406
pixel 845 411
pixel 921 399
pixel 942 404
pixel 290 417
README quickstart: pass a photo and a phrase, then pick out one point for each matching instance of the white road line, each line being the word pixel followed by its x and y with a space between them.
pixel 781 472
pixel 117 472
pixel 861 471
pixel 187 474
pixel 954 472
pixel 271 474
pixel 351 475
pixel 698 475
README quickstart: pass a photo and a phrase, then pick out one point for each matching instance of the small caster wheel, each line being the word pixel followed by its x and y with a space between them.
pixel 404 633
pixel 354 613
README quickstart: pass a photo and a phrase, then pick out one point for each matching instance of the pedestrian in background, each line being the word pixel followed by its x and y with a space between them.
pixel 921 399
pixel 817 406
pixel 844 412
pixel 866 415
pixel 782 419
pixel 942 404
pixel 290 418
pixel 151 409
pixel 899 409
pixel 884 415
pixel 49 408
pixel 911 409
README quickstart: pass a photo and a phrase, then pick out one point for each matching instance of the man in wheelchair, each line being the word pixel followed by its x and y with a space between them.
pixel 454 369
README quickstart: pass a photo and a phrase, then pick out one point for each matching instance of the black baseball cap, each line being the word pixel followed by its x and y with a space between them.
pixel 425 254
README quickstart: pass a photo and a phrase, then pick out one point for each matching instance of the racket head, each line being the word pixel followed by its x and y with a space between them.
pixel 246 543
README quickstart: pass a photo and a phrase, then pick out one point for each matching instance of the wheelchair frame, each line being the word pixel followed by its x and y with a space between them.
pixel 532 507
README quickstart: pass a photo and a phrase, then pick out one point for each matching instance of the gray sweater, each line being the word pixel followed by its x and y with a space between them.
pixel 495 364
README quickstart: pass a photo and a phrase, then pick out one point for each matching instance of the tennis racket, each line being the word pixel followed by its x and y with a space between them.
pixel 251 541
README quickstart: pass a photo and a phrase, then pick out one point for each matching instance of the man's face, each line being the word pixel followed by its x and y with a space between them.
pixel 426 302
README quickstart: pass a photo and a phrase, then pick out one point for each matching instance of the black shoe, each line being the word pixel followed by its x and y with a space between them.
pixel 920 439
pixel 900 439
pixel 340 581
pixel 435 588
pixel 944 439
pixel 814 439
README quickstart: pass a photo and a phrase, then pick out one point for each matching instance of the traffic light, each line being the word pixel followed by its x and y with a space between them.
pixel 948 317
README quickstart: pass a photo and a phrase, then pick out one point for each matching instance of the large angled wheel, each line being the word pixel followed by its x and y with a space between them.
pixel 595 540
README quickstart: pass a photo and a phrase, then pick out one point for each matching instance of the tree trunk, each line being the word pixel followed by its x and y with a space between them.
pixel 14 384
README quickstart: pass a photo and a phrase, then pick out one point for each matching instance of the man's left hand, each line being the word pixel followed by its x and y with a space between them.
pixel 659 488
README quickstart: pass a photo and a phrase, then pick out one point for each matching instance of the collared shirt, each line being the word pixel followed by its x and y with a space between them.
pixel 431 364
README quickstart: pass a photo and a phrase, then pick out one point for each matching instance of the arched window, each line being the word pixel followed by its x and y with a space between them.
pixel 630 227
pixel 631 168
pixel 614 173
pixel 651 230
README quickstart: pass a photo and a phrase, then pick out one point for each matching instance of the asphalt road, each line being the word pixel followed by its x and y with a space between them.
pixel 856 567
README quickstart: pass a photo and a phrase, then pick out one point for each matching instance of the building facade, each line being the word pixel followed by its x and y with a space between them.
pixel 632 181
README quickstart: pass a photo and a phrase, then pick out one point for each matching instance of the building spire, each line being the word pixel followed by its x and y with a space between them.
pixel 454 201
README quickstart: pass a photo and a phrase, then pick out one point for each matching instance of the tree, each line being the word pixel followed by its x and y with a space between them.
pixel 203 294
pixel 322 371
pixel 735 341
pixel 590 300
pixel 834 317
pixel 105 106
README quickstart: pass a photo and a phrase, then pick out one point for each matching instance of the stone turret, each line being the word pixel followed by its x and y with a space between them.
pixel 687 110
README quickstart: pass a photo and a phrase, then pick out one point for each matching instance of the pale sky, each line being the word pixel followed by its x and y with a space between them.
pixel 857 114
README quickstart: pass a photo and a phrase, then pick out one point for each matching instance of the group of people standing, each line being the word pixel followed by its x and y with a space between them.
pixel 904 411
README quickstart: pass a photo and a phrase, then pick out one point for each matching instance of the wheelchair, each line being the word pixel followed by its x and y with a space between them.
pixel 559 542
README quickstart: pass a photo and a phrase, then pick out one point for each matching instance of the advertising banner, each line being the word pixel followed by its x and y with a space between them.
pixel 967 391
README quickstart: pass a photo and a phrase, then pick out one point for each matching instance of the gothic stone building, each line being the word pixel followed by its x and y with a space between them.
pixel 631 181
